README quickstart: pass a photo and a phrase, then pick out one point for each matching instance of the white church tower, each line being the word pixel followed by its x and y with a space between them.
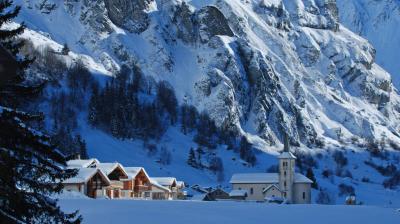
pixel 286 171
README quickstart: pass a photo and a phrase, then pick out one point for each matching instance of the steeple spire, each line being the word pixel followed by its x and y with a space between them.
pixel 286 143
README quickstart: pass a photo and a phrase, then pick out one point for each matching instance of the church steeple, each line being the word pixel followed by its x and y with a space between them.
pixel 286 143
pixel 286 170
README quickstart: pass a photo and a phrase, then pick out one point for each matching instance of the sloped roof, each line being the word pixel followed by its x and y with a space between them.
pixel 238 193
pixel 108 168
pixel 199 197
pixel 271 186
pixel 267 178
pixel 81 163
pixel 244 178
pixel 156 184
pixel 134 171
pixel 286 155
pixel 84 174
pixel 180 184
pixel 165 181
pixel 300 178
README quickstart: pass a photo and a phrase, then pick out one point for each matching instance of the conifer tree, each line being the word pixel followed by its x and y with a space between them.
pixel 192 158
pixel 31 169
pixel 8 37
pixel 310 175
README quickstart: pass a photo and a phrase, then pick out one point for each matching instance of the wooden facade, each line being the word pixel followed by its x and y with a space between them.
pixel 97 182
pixel 141 184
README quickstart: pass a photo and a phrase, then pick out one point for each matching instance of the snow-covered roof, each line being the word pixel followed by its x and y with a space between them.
pixel 243 178
pixel 165 181
pixel 261 178
pixel 108 168
pixel 286 155
pixel 238 193
pixel 82 163
pixel 84 174
pixel 199 197
pixel 180 184
pixel 271 186
pixel 156 184
pixel 300 178
pixel 134 171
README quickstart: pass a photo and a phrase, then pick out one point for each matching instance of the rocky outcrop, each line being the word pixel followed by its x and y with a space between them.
pixel 183 23
pixel 129 14
pixel 211 23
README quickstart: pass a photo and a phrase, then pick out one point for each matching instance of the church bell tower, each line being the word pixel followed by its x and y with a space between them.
pixel 286 171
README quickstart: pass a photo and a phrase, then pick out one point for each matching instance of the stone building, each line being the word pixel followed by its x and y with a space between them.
pixel 284 186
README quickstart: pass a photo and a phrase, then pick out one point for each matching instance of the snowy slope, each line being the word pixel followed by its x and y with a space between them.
pixel 267 67
pixel 371 19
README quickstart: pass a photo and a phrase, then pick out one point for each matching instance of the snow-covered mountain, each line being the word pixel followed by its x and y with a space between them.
pixel 371 19
pixel 262 67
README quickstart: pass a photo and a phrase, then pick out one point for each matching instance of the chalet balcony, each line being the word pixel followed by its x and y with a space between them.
pixel 117 184
pixel 141 188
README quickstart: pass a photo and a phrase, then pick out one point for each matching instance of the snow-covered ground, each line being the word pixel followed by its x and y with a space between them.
pixel 184 212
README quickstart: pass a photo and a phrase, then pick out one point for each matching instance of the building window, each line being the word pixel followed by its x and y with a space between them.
pixel 284 173
pixel 284 184
pixel 251 191
pixel 240 188
pixel 304 195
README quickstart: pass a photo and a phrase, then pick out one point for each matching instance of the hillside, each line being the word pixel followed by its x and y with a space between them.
pixel 259 69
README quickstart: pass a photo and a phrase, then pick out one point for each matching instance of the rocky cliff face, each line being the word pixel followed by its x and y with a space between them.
pixel 263 67
pixel 370 19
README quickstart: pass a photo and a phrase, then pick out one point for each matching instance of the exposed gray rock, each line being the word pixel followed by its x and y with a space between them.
pixel 45 6
pixel 211 23
pixel 183 22
pixel 129 14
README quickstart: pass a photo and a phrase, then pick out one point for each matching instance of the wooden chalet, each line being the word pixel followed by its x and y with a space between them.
pixel 115 173
pixel 89 181
pixel 112 180
pixel 138 182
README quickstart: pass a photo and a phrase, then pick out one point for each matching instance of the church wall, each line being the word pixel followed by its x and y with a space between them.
pixel 298 190
pixel 257 190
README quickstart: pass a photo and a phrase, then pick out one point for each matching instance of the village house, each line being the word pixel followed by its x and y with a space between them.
pixel 89 181
pixel 138 182
pixel 285 186
pixel 112 180
pixel 160 192
pixel 172 184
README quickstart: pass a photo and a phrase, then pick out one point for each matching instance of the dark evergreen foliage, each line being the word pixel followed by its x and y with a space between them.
pixel 166 100
pixel 65 50
pixel 206 132
pixel 9 37
pixel 246 151
pixel 191 161
pixel 30 170
pixel 310 175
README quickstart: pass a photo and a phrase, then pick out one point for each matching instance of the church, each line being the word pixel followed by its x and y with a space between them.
pixel 284 186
